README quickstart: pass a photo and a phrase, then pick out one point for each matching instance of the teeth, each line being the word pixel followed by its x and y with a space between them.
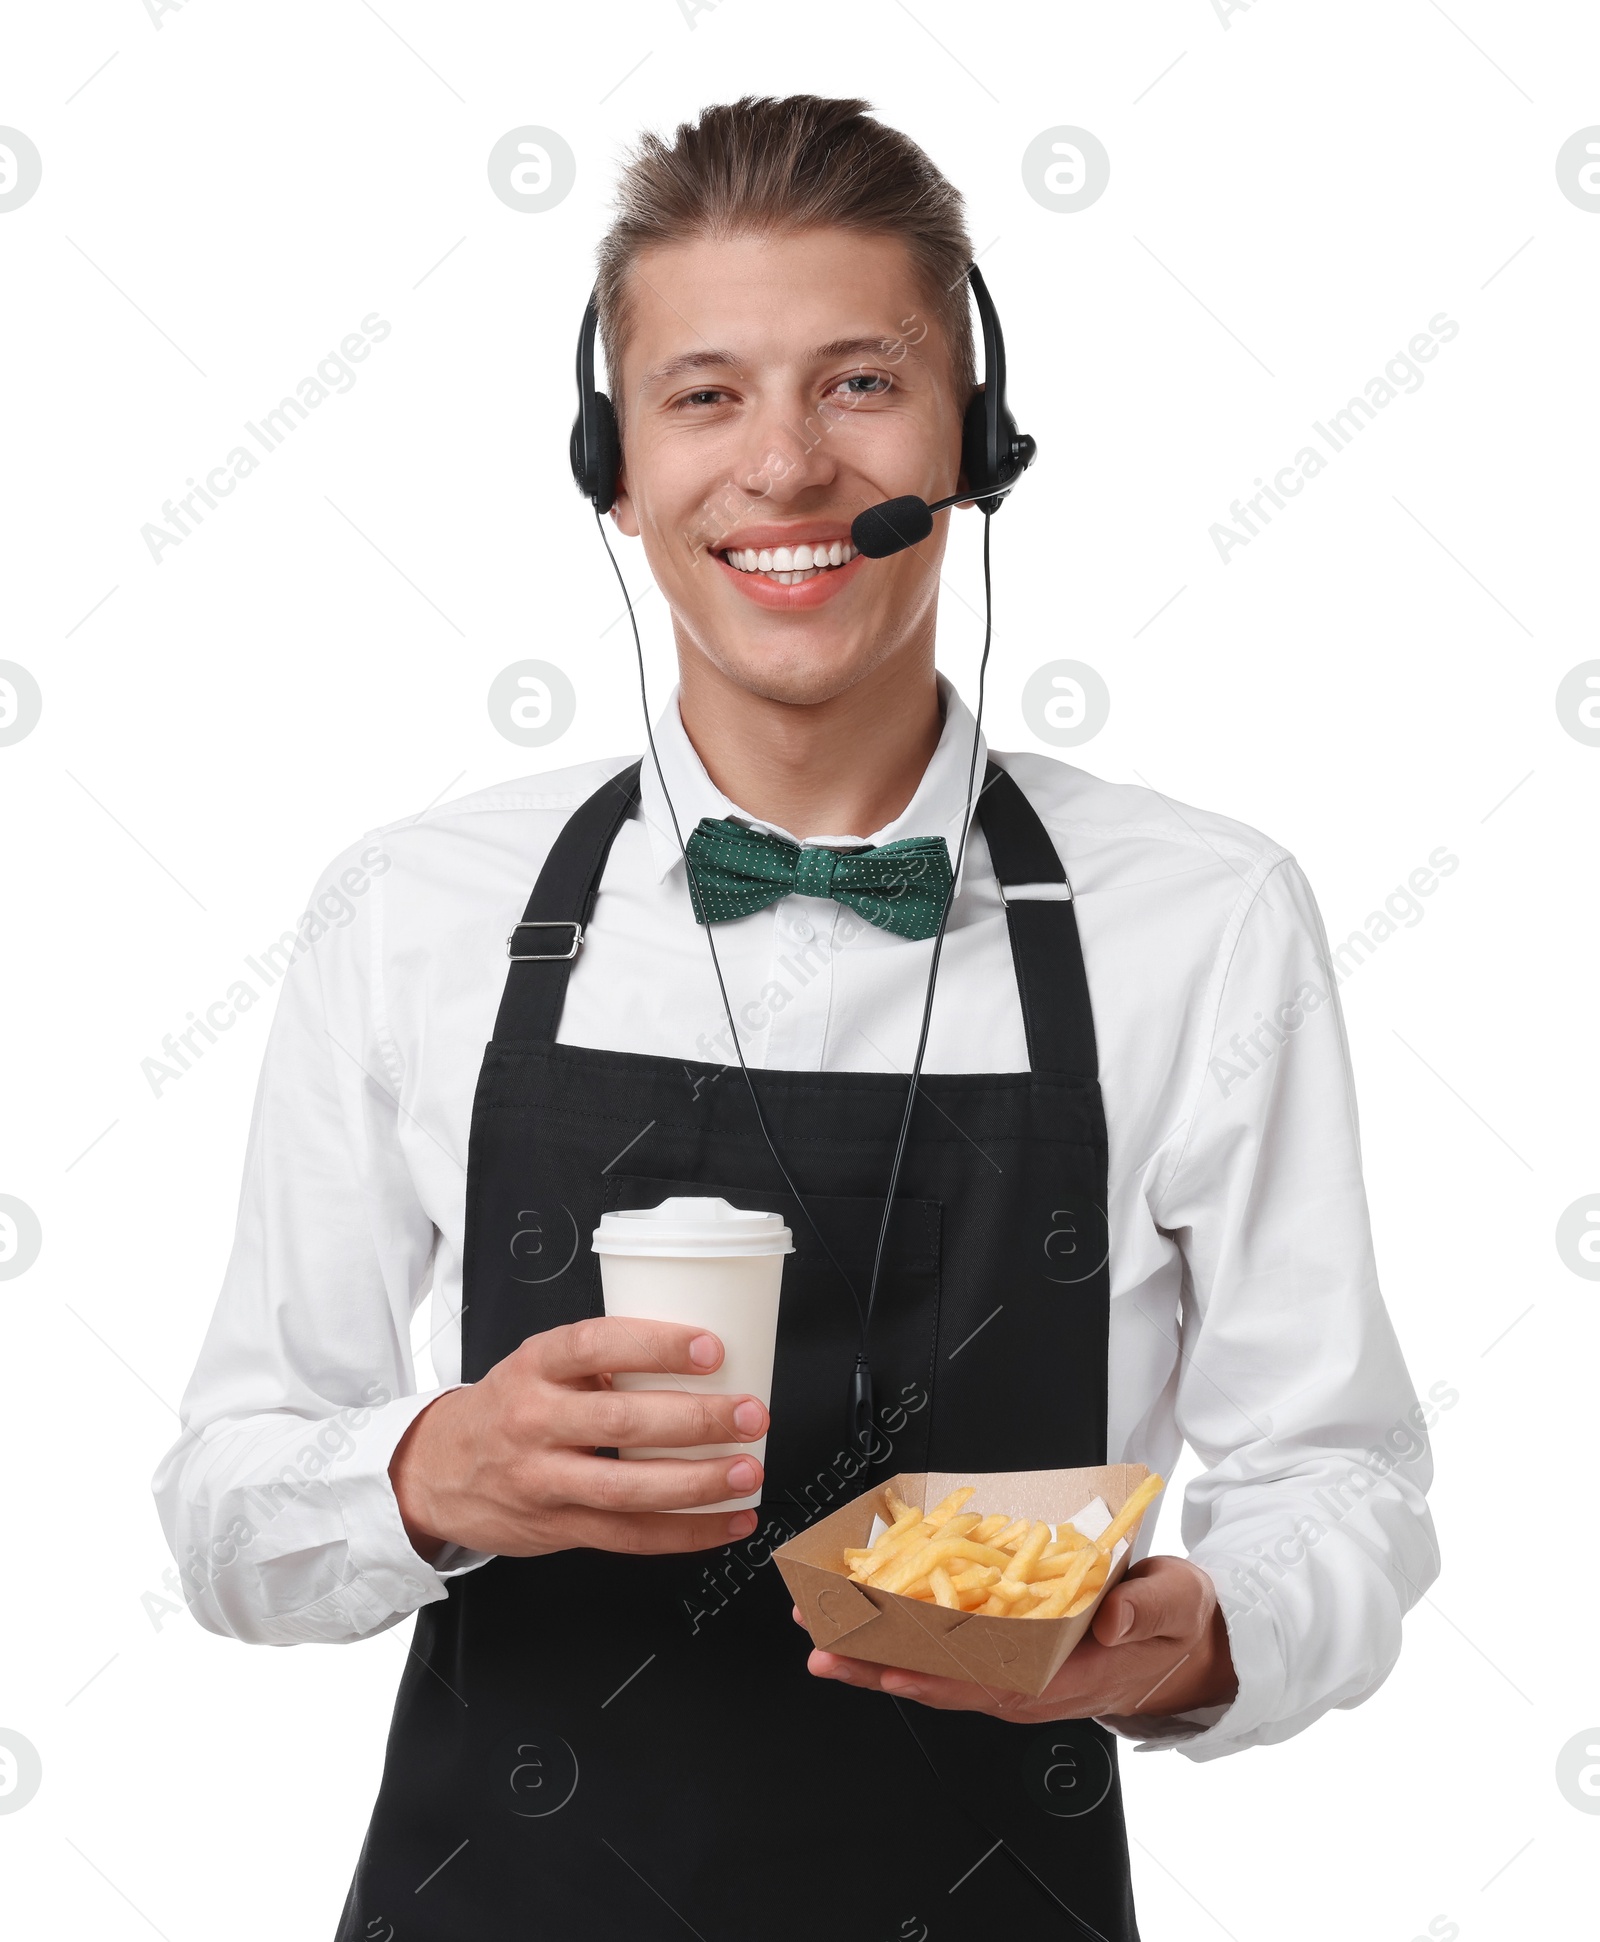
pixel 788 565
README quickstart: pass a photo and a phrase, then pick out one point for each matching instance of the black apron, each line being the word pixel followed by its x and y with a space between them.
pixel 591 1747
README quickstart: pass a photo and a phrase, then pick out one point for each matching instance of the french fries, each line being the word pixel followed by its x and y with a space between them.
pixel 994 1565
pixel 1126 1521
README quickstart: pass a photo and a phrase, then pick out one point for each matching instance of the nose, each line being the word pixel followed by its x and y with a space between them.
pixel 790 449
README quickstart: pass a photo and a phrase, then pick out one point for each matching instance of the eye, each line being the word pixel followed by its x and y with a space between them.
pixel 865 384
pixel 692 400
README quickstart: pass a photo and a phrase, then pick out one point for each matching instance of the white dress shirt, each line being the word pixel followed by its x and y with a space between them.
pixel 1245 1310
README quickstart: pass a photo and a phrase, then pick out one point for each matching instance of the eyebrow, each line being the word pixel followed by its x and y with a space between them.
pixel 851 346
pixel 714 360
pixel 677 367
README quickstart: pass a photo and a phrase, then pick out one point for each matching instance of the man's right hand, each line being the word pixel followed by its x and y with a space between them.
pixel 508 1464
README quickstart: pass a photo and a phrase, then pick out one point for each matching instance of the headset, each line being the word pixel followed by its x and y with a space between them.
pixel 595 449
pixel 994 456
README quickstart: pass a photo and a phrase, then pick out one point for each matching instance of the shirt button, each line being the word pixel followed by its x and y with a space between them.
pixel 802 930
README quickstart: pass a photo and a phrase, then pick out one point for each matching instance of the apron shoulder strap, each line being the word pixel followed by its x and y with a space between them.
pixel 541 948
pixel 1045 947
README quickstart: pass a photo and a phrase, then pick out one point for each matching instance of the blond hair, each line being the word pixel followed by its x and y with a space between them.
pixel 765 165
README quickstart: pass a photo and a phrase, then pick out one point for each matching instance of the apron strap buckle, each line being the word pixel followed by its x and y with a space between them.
pixel 544 957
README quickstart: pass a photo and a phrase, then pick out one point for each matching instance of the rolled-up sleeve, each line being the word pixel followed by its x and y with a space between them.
pixel 276 1498
pixel 1310 1513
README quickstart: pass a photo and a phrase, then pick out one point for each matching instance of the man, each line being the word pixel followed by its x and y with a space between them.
pixel 1131 1211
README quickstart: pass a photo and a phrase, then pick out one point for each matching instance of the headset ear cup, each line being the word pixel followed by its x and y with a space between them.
pixel 607 455
pixel 975 447
pixel 595 464
pixel 984 477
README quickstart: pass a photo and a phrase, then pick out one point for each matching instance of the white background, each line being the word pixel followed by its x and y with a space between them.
pixel 1373 676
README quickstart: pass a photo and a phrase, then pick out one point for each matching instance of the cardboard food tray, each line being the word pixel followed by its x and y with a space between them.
pixel 1017 1654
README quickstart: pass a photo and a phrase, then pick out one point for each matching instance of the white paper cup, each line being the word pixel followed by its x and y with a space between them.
pixel 698 1260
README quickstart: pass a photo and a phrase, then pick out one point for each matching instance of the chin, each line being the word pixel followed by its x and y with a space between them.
pixel 798 674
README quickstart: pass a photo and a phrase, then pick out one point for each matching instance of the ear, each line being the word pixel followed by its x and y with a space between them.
pixel 622 510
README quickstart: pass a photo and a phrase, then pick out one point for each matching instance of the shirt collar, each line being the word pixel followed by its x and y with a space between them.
pixel 934 809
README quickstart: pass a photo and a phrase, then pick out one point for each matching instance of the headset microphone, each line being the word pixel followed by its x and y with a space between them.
pixel 895 525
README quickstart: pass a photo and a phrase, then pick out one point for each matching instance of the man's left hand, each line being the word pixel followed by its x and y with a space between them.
pixel 1158 1645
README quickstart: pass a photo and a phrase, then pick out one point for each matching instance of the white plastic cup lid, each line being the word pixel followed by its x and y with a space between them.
pixel 691 1224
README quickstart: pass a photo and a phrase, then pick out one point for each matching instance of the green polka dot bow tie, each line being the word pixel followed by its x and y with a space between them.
pixel 900 887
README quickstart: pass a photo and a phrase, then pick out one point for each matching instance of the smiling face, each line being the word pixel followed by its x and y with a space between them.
pixel 772 388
